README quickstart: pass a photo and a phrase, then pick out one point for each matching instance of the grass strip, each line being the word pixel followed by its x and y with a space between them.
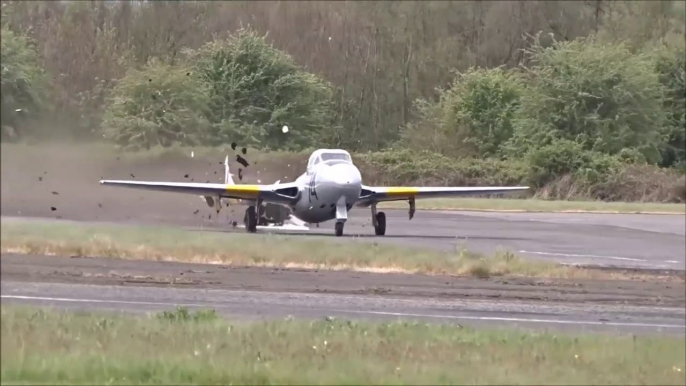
pixel 182 347
pixel 175 244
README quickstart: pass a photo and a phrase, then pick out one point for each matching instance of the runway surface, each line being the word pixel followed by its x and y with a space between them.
pixel 262 293
pixel 626 240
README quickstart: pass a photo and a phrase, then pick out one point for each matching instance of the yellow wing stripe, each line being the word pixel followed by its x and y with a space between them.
pixel 402 192
pixel 243 188
pixel 249 191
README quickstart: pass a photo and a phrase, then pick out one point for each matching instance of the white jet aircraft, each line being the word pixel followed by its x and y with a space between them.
pixel 329 188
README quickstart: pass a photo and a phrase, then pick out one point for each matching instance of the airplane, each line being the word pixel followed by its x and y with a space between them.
pixel 329 188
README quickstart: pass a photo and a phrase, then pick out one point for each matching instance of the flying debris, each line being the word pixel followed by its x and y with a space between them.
pixel 242 161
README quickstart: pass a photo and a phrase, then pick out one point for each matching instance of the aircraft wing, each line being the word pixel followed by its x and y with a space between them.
pixel 275 193
pixel 371 194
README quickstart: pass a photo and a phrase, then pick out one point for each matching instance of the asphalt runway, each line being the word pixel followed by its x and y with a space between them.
pixel 266 293
pixel 609 240
pixel 619 240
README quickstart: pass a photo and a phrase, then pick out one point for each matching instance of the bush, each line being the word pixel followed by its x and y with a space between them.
pixel 563 157
pixel 671 67
pixel 561 170
pixel 256 89
pixel 25 85
pixel 600 95
pixel 472 118
pixel 159 105
pixel 405 167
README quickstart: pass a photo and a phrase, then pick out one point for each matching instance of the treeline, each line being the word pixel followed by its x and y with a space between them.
pixel 552 94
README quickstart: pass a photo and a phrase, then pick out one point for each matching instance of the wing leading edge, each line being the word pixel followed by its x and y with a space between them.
pixel 276 193
pixel 371 194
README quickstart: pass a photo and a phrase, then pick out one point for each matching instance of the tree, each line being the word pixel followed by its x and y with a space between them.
pixel 255 90
pixel 159 105
pixel 25 85
pixel 671 67
pixel 602 96
pixel 471 118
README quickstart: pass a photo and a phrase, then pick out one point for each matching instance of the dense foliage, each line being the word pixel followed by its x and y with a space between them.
pixel 255 90
pixel 474 117
pixel 431 88
pixel 157 105
pixel 24 84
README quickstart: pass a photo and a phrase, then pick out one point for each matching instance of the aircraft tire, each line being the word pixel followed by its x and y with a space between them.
pixel 380 229
pixel 250 220
pixel 339 229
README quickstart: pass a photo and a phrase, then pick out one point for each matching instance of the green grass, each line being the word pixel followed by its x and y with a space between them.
pixel 534 205
pixel 174 244
pixel 49 346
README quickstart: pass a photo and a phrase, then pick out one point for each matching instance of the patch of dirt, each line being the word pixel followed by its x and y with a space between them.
pixel 101 271
pixel 62 181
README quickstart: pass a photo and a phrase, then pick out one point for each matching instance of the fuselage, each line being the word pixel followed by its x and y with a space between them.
pixel 325 185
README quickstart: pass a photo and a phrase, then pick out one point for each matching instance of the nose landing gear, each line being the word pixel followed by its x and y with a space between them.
pixel 339 229
pixel 341 216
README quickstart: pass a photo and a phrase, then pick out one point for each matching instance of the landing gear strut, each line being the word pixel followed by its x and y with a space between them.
pixel 379 222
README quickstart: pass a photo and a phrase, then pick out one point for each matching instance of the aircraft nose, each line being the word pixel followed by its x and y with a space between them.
pixel 345 175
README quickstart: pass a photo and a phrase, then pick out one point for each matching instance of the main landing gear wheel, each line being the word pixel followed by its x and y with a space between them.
pixel 250 220
pixel 380 227
pixel 339 229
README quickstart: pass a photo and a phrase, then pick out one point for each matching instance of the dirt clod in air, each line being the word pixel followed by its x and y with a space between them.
pixel 242 161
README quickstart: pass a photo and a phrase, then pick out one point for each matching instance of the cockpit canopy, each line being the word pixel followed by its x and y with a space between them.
pixel 329 156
